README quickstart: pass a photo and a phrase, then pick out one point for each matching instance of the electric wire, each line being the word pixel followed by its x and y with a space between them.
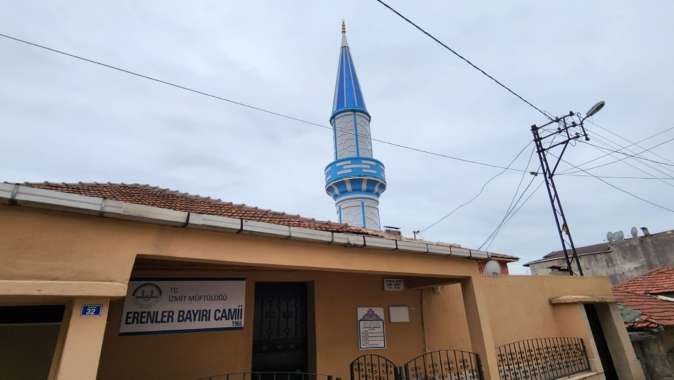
pixel 617 187
pixel 658 168
pixel 262 109
pixel 511 206
pixel 607 130
pixel 482 71
pixel 635 166
pixel 615 177
pixel 617 151
pixel 582 164
pixel 623 158
pixel 474 197
pixel 509 214
pixel 610 143
pixel 246 105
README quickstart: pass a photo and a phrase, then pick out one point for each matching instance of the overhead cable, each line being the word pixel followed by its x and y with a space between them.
pixel 246 105
pixel 460 56
pixel 474 197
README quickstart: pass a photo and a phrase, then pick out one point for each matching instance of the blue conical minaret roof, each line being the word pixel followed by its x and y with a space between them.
pixel 348 96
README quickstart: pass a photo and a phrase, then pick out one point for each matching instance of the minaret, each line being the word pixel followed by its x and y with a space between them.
pixel 355 180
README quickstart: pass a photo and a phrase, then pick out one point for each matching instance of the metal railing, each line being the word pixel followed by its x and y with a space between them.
pixel 374 367
pixel 269 375
pixel 444 365
pixel 542 358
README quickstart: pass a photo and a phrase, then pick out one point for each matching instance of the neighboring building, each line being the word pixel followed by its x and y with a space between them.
pixel 355 180
pixel 111 281
pixel 648 309
pixel 640 268
pixel 619 260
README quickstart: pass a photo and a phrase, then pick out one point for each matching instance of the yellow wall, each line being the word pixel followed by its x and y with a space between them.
pixel 445 319
pixel 53 245
pixel 519 306
pixel 59 246
pixel 191 355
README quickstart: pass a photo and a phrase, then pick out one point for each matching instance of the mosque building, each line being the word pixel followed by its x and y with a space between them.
pixel 109 281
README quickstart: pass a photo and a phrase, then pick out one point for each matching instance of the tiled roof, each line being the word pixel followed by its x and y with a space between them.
pixel 170 199
pixel 644 294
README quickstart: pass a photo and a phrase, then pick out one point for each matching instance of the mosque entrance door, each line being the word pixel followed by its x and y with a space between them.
pixel 280 341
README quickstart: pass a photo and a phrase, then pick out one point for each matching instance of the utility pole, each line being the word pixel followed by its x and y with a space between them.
pixel 569 128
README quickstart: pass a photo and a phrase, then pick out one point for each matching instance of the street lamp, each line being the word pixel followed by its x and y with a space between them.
pixel 595 108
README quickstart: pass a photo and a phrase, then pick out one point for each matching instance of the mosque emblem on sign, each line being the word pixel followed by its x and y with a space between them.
pixel 147 294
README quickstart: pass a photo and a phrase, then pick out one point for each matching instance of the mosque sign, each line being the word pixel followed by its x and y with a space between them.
pixel 175 305
pixel 371 328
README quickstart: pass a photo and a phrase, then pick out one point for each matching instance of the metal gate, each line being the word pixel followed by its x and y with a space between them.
pixel 374 367
pixel 444 365
pixel 435 365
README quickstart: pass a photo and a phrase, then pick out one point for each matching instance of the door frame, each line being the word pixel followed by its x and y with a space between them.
pixel 310 288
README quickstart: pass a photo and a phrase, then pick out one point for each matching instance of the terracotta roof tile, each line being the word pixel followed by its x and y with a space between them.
pixel 641 293
pixel 175 200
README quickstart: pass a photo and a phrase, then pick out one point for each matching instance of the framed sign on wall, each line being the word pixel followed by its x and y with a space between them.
pixel 371 332
pixel 156 306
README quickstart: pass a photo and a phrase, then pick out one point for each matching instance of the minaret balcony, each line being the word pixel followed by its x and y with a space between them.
pixel 355 175
pixel 354 167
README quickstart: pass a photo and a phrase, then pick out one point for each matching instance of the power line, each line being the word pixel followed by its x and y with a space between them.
pixel 616 177
pixel 484 185
pixel 512 203
pixel 623 158
pixel 627 146
pixel 618 188
pixel 510 213
pixel 422 30
pixel 618 151
pixel 612 143
pixel 246 105
pixel 639 168
pixel 632 165
pixel 629 141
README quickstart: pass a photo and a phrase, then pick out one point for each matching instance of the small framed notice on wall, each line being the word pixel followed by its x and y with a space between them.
pixel 399 314
pixel 371 328
pixel 394 284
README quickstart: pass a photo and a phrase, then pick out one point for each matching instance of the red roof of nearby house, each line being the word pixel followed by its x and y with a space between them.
pixel 641 294
pixel 170 199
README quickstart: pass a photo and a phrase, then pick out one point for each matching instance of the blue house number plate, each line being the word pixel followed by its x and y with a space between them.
pixel 91 310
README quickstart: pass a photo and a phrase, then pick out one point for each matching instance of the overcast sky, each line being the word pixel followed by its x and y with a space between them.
pixel 64 120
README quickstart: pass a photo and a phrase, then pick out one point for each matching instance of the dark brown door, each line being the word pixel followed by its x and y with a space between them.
pixel 280 327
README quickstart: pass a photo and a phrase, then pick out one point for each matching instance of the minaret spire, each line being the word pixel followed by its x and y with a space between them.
pixel 355 180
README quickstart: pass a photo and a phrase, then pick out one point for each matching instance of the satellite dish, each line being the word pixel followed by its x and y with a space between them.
pixel 492 268
pixel 619 235
pixel 634 232
pixel 609 236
